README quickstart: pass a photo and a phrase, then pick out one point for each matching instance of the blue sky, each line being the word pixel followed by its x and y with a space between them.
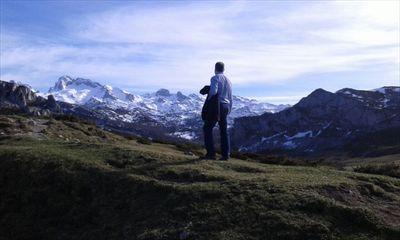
pixel 275 51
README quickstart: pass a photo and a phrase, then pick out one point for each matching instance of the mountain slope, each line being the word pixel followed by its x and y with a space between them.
pixel 92 184
pixel 322 121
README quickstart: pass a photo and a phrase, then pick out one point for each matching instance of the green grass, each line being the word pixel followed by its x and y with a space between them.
pixel 113 188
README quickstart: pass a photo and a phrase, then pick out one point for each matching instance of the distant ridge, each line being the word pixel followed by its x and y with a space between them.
pixel 324 121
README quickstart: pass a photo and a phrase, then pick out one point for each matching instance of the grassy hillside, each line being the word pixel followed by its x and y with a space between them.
pixel 63 179
pixel 388 165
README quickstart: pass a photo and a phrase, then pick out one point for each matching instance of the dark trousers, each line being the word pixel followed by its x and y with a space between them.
pixel 223 129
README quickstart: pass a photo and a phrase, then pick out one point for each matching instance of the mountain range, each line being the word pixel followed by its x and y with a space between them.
pixel 348 120
pixel 176 113
pixel 161 114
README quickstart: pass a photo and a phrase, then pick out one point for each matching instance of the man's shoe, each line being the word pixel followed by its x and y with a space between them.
pixel 224 158
pixel 207 157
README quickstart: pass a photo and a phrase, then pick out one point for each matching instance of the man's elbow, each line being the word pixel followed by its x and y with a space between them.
pixel 212 93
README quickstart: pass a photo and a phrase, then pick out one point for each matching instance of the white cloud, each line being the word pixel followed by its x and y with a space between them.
pixel 291 99
pixel 179 25
pixel 176 47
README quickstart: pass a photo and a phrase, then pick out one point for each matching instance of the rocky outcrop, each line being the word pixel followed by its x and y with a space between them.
pixel 16 97
pixel 17 94
pixel 320 122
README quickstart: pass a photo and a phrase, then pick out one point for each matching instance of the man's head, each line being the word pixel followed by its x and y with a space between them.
pixel 219 67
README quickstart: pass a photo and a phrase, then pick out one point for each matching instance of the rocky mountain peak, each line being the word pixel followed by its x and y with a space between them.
pixel 319 92
pixel 61 83
pixel 65 82
pixel 87 82
pixel 180 96
pixel 317 97
pixel 163 92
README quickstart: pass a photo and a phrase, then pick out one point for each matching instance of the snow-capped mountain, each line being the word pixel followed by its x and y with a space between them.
pixel 81 91
pixel 177 112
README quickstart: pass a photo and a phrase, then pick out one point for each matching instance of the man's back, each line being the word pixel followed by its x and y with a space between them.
pixel 221 85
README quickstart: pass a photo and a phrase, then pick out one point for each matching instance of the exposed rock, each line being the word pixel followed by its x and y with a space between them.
pixel 20 98
pixel 52 104
pixel 19 95
pixel 181 97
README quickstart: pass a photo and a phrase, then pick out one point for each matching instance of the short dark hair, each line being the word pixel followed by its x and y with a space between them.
pixel 219 67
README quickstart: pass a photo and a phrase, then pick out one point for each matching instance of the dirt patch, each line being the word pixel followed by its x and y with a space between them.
pixel 341 194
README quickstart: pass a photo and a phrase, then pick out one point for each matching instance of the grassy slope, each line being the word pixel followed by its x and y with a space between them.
pixel 388 165
pixel 74 181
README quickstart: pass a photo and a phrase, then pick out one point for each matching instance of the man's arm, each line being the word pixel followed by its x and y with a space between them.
pixel 230 99
pixel 230 103
pixel 213 87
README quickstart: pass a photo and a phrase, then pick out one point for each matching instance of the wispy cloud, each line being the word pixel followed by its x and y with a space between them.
pixel 292 99
pixel 175 46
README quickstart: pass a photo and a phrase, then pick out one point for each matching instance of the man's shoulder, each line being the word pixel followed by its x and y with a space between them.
pixel 225 78
pixel 219 77
pixel 214 77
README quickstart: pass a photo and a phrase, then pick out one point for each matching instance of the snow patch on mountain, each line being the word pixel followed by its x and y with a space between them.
pixel 301 135
pixel 383 90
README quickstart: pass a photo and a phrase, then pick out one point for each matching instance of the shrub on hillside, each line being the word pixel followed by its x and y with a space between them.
pixel 391 169
pixel 162 141
pixel 143 140
pixel 72 118
pixel 129 137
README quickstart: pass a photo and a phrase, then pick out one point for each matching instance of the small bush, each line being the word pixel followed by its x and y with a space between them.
pixel 143 140
pixel 130 137
pixel 162 141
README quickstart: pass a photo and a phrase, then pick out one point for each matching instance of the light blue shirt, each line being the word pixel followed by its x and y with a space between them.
pixel 221 85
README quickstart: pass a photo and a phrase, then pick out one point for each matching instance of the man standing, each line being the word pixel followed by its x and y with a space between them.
pixel 221 89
